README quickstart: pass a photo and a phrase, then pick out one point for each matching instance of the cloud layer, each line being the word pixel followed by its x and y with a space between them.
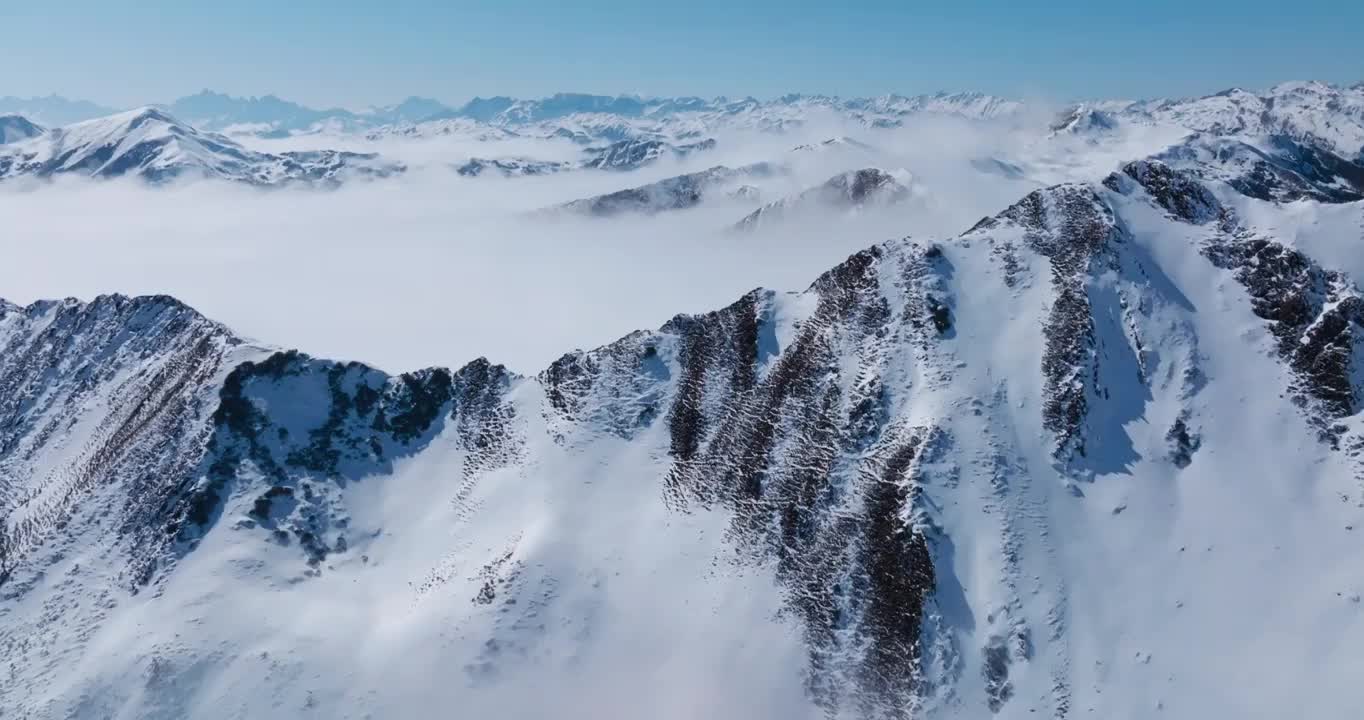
pixel 437 269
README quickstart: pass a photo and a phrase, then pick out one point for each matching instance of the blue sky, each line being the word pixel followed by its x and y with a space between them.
pixel 355 54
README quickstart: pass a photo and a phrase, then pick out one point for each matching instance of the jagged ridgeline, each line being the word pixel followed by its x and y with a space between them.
pixel 920 453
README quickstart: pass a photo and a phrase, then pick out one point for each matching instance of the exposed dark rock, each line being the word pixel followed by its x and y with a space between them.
pixel 1181 195
pixel 59 358
pixel 765 442
pixel 1315 316
pixel 1072 227
pixel 1183 442
pixel 370 420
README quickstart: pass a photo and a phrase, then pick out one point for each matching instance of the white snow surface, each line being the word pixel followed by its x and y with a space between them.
pixel 1117 582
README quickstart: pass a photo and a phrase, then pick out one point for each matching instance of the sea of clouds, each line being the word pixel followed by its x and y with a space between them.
pixel 433 268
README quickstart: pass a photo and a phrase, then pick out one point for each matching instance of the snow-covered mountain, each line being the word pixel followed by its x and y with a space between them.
pixel 635 154
pixel 513 167
pixel 679 192
pixel 622 156
pixel 461 128
pixel 1330 114
pixel 844 192
pixel 1312 112
pixel 1277 167
pixel 267 114
pixel 1082 119
pixel 1100 455
pixel 150 144
pixel 586 119
pixel 14 128
pixel 412 110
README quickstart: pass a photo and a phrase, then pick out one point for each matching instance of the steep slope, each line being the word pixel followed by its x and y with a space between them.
pixel 14 128
pixel 1084 120
pixel 1276 167
pixel 1332 116
pixel 151 145
pixel 1096 456
pixel 844 192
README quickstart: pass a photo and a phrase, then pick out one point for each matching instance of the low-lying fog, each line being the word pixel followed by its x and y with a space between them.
pixel 436 269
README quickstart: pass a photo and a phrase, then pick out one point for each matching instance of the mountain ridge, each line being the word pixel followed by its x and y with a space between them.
pixel 959 462
pixel 151 144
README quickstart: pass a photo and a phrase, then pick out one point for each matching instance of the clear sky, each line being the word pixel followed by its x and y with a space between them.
pixel 360 53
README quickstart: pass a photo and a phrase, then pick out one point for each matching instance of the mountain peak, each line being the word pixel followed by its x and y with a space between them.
pixel 14 128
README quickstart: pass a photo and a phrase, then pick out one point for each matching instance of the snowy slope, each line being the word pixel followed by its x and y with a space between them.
pixel 1310 113
pixel 459 128
pixel 634 154
pixel 1097 456
pixel 14 128
pixel 679 192
pixel 152 145
pixel 512 167
pixel 1331 115
pixel 621 156
pixel 1277 167
pixel 842 193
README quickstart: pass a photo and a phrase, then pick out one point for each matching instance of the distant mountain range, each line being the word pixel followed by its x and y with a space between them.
pixel 1294 140
pixel 590 119
pixel 154 146
pixel 217 111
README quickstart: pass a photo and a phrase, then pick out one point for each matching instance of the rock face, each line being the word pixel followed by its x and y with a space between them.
pixel 153 146
pixel 104 410
pixel 938 468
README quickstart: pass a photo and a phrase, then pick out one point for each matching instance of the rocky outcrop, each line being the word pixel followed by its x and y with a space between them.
pixel 102 421
pixel 1315 315
pixel 352 422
